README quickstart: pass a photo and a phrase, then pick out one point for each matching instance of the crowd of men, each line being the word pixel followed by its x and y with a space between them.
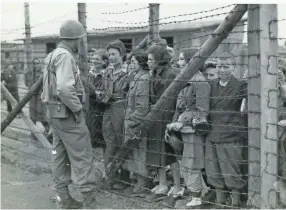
pixel 197 144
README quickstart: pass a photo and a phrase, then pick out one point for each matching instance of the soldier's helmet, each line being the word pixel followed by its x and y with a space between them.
pixel 72 29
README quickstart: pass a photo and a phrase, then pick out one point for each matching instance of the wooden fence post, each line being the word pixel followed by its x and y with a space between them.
pixel 28 53
pixel 83 61
pixel 269 103
pixel 154 22
pixel 28 40
pixel 254 109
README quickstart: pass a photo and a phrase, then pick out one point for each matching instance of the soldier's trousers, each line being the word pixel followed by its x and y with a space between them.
pixel 72 150
pixel 223 165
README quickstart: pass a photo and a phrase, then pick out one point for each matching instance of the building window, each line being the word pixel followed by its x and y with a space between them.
pixel 128 44
pixel 170 41
pixel 7 55
pixel 50 47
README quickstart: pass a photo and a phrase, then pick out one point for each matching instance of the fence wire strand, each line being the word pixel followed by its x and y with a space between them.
pixel 223 122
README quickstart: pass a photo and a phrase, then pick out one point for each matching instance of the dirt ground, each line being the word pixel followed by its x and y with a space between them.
pixel 23 189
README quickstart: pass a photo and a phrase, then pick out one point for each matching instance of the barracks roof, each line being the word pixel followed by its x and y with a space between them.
pixel 178 26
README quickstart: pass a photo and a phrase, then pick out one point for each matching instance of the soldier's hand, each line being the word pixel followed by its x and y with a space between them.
pixel 78 116
pixel 143 130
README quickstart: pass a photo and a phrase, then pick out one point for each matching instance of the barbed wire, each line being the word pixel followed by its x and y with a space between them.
pixel 124 12
pixel 240 127
pixel 225 174
pixel 122 135
pixel 170 182
pixel 48 22
pixel 190 157
pixel 37 24
pixel 158 24
pixel 128 29
pixel 252 162
pixel 190 39
pixel 229 112
pixel 174 16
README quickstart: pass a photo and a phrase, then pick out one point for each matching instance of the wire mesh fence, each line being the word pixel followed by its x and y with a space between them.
pixel 221 142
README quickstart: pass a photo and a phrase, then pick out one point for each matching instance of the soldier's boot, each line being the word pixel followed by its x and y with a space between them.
pixel 89 200
pixel 124 180
pixel 235 195
pixel 220 197
pixel 67 202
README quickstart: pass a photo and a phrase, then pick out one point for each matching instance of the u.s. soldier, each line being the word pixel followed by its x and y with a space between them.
pixel 62 87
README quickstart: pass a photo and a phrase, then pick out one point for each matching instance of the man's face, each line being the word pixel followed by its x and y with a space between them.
pixel 225 69
pixel 115 58
pixel 77 46
pixel 181 61
pixel 152 63
pixel 211 73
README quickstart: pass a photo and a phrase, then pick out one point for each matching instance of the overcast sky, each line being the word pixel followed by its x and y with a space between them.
pixel 46 17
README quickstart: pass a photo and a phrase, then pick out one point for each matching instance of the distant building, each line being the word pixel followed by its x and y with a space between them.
pixel 179 36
